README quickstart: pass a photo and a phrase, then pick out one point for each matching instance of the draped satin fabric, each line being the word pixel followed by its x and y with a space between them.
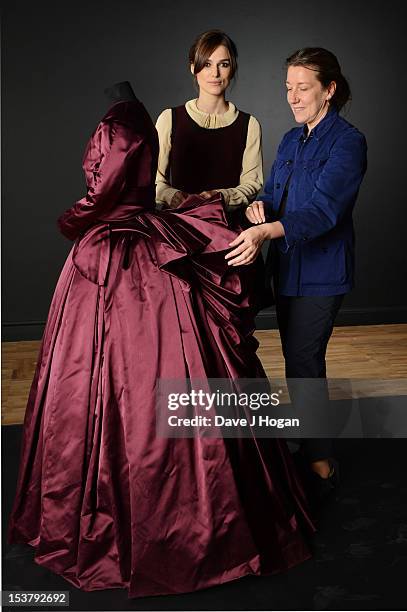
pixel 146 295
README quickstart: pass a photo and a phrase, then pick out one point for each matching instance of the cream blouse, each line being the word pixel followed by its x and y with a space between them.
pixel 251 176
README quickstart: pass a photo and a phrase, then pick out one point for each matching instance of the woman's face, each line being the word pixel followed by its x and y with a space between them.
pixel 307 97
pixel 214 78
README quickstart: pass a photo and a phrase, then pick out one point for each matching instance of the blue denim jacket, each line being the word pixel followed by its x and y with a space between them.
pixel 323 173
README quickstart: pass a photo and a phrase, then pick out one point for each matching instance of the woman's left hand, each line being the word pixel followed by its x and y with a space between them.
pixel 248 245
pixel 255 212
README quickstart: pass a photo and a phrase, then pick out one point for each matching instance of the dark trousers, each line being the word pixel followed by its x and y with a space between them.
pixel 306 324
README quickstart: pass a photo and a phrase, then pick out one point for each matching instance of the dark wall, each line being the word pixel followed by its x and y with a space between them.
pixel 59 56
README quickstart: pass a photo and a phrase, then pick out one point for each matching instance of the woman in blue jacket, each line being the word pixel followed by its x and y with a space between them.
pixel 306 210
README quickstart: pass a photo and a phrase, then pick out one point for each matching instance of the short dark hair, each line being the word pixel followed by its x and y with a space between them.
pixel 327 67
pixel 206 43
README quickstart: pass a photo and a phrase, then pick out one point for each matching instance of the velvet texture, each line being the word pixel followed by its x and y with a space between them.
pixel 143 295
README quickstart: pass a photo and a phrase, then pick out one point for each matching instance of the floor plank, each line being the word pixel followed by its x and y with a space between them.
pixel 375 352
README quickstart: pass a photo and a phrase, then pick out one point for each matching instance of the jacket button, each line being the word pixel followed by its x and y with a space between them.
pixel 278 186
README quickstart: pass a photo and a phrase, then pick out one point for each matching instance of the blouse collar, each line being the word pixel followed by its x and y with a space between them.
pixel 208 120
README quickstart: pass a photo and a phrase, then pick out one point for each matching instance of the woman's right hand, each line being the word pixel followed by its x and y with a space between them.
pixel 178 198
pixel 255 212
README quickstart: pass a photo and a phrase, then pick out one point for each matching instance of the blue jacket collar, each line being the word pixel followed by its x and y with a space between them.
pixel 322 127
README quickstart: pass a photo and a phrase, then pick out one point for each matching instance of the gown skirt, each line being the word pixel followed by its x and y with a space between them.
pixel 105 502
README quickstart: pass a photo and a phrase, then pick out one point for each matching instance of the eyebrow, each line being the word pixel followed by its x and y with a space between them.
pixel 300 83
pixel 220 61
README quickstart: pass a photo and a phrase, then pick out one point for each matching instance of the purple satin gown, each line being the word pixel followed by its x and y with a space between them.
pixel 143 295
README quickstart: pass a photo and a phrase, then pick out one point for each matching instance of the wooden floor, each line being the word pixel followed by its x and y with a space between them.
pixel 375 352
pixel 363 351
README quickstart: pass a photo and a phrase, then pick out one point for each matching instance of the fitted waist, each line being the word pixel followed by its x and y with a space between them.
pixel 134 201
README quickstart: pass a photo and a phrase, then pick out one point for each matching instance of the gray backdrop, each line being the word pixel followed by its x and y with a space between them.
pixel 58 58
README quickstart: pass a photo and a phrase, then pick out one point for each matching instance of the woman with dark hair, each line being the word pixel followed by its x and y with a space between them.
pixel 306 211
pixel 208 145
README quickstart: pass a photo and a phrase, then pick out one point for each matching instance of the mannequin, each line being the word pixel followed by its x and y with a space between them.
pixel 120 92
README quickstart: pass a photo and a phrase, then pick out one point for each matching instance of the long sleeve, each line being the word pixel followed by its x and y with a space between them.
pixel 164 191
pixel 334 193
pixel 105 162
pixel 251 177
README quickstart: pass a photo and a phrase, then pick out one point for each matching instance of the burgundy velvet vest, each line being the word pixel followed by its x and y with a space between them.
pixel 202 159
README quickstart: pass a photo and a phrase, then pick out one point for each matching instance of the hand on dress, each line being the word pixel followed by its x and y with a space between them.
pixel 178 198
pixel 248 245
pixel 208 194
pixel 255 212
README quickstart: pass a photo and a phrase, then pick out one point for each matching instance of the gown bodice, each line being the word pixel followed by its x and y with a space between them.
pixel 120 163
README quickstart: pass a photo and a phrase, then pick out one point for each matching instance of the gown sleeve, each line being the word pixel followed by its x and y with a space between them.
pixel 105 160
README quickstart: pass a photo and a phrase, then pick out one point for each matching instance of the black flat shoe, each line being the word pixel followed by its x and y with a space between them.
pixel 322 488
